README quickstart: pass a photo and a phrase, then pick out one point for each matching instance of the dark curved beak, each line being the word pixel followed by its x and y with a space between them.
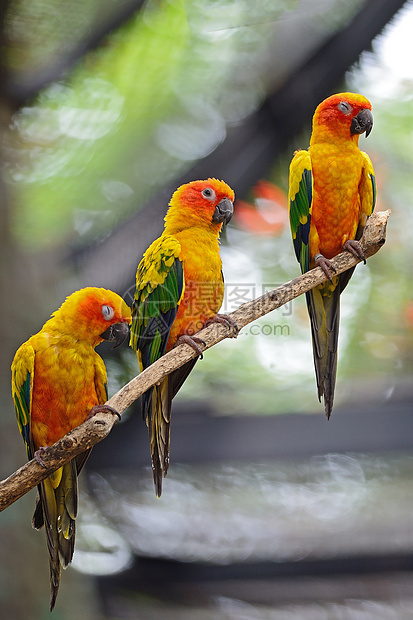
pixel 361 123
pixel 118 332
pixel 223 211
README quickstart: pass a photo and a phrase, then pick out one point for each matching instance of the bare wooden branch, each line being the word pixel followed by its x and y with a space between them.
pixel 97 428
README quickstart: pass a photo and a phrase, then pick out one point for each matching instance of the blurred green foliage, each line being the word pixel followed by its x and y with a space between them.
pixel 137 112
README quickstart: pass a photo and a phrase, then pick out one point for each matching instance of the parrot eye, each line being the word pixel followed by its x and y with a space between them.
pixel 345 107
pixel 108 313
pixel 208 193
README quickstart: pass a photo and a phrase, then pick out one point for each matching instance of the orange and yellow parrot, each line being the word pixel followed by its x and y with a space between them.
pixel 179 290
pixel 58 380
pixel 332 192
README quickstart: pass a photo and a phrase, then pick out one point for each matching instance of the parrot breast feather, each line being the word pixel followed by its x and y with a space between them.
pixel 159 291
pixel 22 390
pixel 300 203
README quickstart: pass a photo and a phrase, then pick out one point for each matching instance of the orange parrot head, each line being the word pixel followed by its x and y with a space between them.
pixel 342 116
pixel 208 204
pixel 94 314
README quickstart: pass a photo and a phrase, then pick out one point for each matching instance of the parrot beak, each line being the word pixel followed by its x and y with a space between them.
pixel 361 123
pixel 118 332
pixel 223 211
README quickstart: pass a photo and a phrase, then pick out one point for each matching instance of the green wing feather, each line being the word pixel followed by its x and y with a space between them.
pixel 323 308
pixel 300 204
pixel 159 290
pixel 22 390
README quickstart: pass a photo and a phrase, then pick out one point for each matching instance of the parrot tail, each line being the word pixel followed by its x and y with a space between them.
pixel 159 431
pixel 56 507
pixel 158 419
pixel 324 311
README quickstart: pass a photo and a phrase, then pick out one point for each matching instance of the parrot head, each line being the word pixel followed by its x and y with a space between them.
pixel 345 115
pixel 208 204
pixel 94 314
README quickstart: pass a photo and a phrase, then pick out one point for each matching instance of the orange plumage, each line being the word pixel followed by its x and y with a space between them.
pixel 332 193
pixel 189 221
pixel 337 165
pixel 179 288
pixel 57 378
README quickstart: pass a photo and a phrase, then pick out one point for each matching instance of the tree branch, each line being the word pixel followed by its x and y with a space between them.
pixel 97 428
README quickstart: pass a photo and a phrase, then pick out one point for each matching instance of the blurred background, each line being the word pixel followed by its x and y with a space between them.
pixel 268 511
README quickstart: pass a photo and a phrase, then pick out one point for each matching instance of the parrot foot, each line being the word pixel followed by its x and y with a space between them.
pixel 38 458
pixel 354 247
pixel 325 264
pixel 193 342
pixel 102 409
pixel 223 319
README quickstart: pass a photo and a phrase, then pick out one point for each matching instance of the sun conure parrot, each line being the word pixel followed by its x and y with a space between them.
pixel 179 290
pixel 332 192
pixel 58 380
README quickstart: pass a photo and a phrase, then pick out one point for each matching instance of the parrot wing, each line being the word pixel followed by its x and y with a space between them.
pixel 159 290
pixel 22 390
pixel 300 203
pixel 323 310
pixel 367 193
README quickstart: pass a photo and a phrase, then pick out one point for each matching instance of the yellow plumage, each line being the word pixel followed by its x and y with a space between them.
pixel 57 378
pixel 179 287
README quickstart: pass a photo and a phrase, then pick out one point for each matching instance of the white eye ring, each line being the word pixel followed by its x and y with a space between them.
pixel 345 107
pixel 108 312
pixel 208 193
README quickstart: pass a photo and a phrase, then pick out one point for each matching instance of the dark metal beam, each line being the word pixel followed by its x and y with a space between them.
pixel 199 436
pixel 376 577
